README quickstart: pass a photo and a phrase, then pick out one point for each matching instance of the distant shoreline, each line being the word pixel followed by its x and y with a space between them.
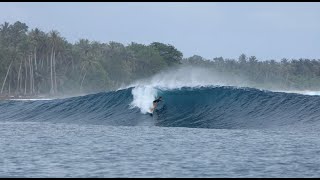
pixel 24 97
pixel 5 97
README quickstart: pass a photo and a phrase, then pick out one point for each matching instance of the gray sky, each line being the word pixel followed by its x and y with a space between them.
pixel 271 30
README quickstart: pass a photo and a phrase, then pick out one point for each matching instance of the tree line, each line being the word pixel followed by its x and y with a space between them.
pixel 34 62
pixel 286 74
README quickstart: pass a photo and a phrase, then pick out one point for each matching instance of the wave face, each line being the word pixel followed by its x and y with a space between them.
pixel 194 107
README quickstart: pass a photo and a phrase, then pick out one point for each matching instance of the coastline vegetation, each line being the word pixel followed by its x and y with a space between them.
pixel 35 63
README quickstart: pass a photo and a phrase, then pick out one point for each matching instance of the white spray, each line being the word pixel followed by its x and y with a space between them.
pixel 143 97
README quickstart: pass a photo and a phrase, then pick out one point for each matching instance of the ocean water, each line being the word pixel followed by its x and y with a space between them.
pixel 195 132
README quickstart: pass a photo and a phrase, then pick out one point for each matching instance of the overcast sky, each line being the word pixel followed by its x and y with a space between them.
pixel 271 30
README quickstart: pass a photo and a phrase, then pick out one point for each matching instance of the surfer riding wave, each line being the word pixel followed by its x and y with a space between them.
pixel 155 103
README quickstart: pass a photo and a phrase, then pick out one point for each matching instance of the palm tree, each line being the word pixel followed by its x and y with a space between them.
pixel 54 36
pixel 5 79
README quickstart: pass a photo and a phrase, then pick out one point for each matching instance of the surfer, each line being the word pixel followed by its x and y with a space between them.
pixel 155 103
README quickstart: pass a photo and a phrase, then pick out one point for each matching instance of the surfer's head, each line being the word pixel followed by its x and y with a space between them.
pixel 157 100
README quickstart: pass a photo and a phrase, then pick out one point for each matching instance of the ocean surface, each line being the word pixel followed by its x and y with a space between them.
pixel 212 131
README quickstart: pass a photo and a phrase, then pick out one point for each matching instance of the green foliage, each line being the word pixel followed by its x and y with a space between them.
pixel 302 74
pixel 170 54
pixel 46 63
pixel 38 63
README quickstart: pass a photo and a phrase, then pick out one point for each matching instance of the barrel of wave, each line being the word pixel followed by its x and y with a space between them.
pixel 143 97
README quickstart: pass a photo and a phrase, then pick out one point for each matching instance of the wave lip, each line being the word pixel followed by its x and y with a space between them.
pixel 213 107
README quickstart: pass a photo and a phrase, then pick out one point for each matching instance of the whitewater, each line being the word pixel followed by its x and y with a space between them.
pixel 207 125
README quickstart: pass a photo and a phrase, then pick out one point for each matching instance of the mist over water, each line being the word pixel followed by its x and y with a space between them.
pixel 191 76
